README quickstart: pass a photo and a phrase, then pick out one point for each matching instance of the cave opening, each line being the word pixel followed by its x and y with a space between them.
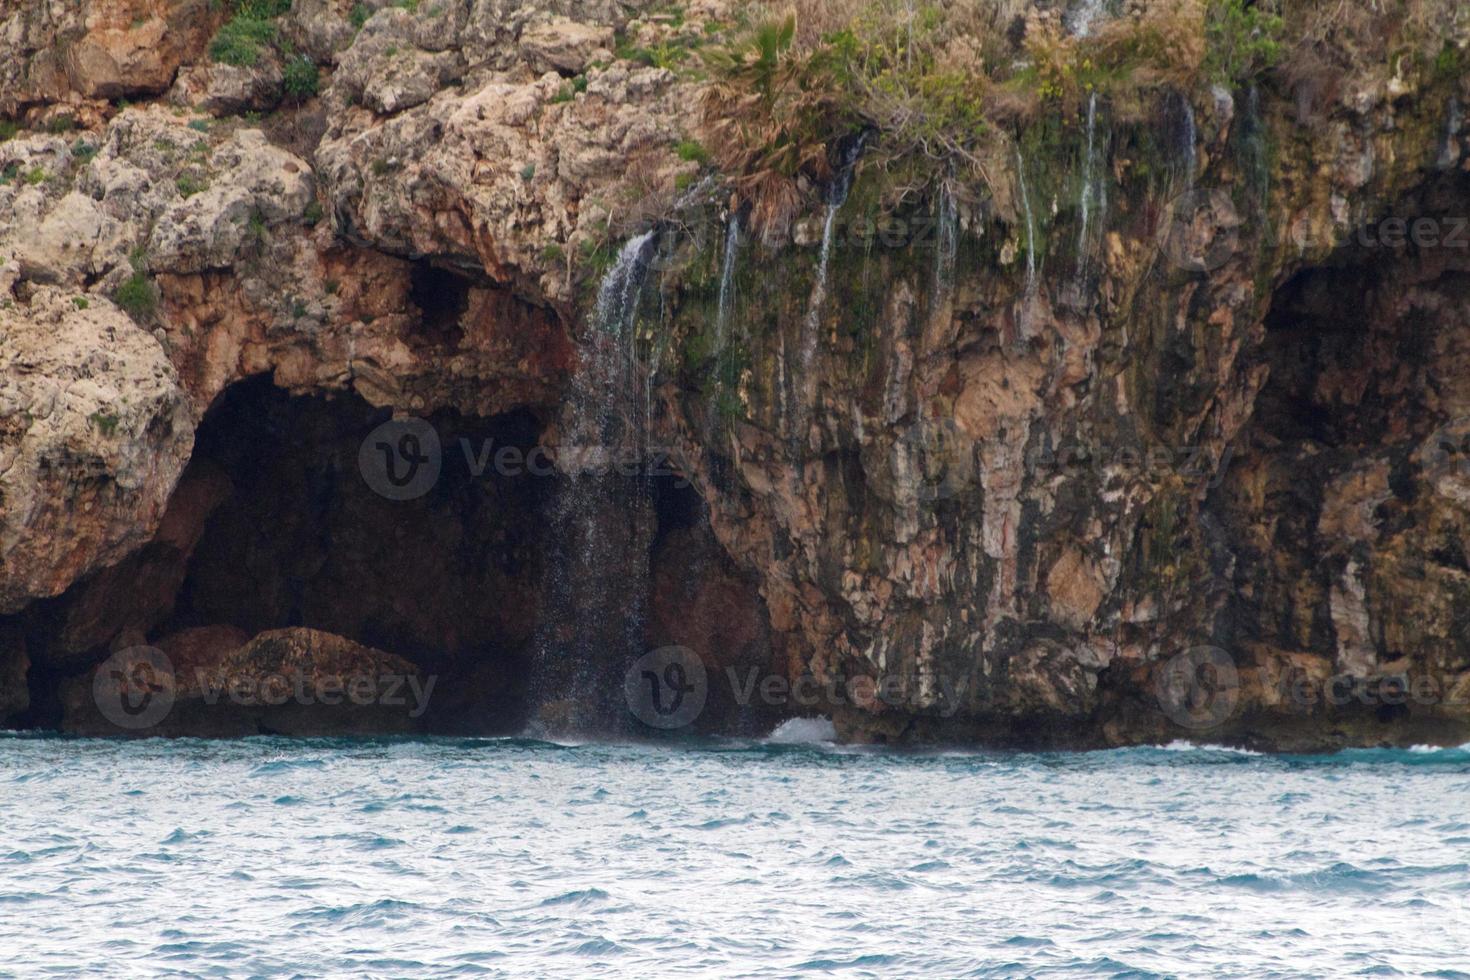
pixel 283 522
pixel 1356 450
pixel 304 537
pixel 442 298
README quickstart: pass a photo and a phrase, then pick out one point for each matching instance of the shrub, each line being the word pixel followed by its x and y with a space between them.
pixel 313 214
pixel 136 295
pixel 359 15
pixel 264 8
pixel 189 184
pixel 1241 41
pixel 8 129
pixel 80 302
pixel 692 151
pixel 34 176
pixel 240 40
pixel 301 79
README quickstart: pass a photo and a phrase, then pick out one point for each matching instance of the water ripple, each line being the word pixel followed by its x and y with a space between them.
pixel 745 858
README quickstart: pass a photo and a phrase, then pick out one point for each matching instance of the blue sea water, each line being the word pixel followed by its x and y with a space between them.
pixel 518 857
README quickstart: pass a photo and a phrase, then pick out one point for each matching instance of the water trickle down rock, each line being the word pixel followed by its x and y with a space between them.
pixel 601 525
pixel 811 327
pixel 1094 194
pixel 1030 243
pixel 1187 135
pixel 1449 150
pixel 947 243
pixel 940 323
pixel 1083 16
pixel 1253 149
pixel 727 283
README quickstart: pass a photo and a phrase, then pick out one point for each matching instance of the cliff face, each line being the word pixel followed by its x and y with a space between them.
pixel 1149 422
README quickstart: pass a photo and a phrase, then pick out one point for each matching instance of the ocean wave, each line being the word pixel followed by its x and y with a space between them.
pixel 803 731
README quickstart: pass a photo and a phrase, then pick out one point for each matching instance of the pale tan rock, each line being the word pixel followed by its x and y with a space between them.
pixel 252 184
pixel 564 45
pixel 96 433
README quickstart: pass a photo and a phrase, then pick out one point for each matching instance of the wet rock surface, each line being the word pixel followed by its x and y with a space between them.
pixel 976 502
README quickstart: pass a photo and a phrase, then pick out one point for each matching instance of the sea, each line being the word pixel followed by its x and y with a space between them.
pixel 786 856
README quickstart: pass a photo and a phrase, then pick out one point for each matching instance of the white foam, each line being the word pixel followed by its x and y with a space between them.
pixel 803 731
pixel 1179 745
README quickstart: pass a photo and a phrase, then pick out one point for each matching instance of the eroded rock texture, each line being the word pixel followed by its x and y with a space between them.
pixel 962 493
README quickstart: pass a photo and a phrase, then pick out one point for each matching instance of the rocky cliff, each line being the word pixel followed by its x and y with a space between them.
pixel 1025 374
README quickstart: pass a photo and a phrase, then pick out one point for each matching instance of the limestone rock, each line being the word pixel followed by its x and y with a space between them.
pixel 96 432
pixel 564 45
pixel 252 184
pixel 104 49
pixel 288 681
pixel 227 90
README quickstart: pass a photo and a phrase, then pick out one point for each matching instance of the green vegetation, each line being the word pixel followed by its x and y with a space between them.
pixel 1241 40
pixel 80 302
pixel 359 15
pixel 8 129
pixel 692 151
pixel 105 422
pixel 34 176
pixel 313 214
pixel 301 78
pixel 61 124
pixel 528 172
pixel 136 296
pixel 190 184
pixel 569 90
pixel 241 40
pixel 250 34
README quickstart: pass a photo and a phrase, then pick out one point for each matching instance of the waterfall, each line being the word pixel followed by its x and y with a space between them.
pixel 1090 186
pixel 1449 151
pixel 947 243
pixel 596 576
pixel 1253 145
pixel 811 327
pixel 727 282
pixel 1188 138
pixel 1080 21
pixel 1030 226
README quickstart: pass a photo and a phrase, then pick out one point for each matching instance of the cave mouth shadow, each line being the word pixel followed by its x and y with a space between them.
pixel 428 539
pixel 305 537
